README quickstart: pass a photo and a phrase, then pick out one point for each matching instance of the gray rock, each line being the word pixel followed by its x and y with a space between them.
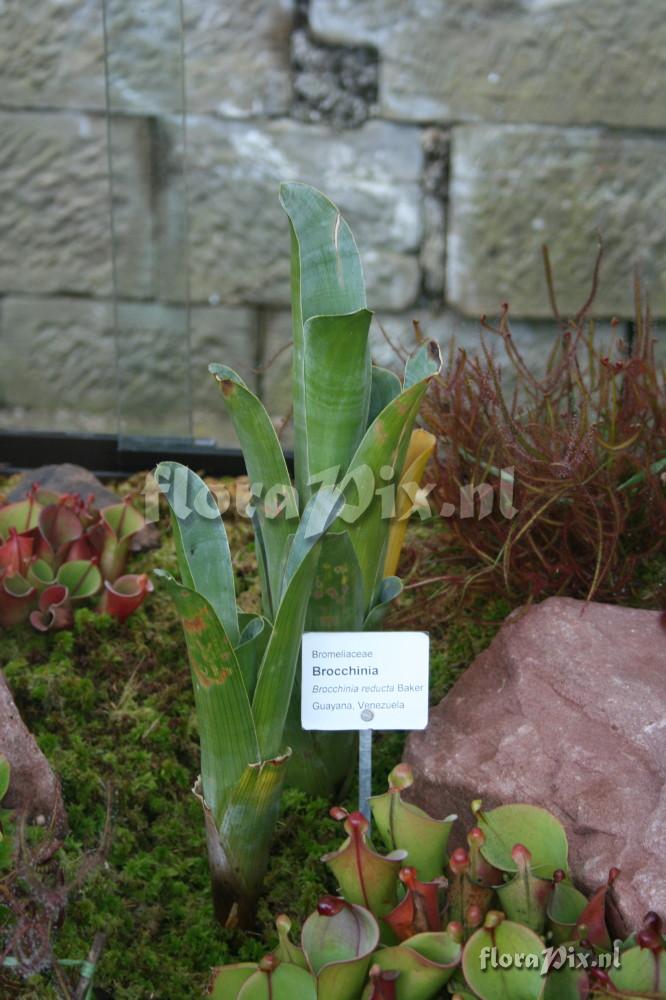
pixel 239 240
pixel 64 478
pixel 54 188
pixel 565 710
pixel 514 188
pixel 236 56
pixel 551 61
pixel 34 790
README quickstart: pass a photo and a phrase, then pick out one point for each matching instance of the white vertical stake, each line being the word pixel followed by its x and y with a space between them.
pixel 365 771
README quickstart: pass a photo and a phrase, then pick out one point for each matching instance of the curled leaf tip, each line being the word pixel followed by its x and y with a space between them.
pixel 401 777
pixel 476 837
pixel 521 855
pixel 356 824
pixel 407 875
pixel 493 919
pixel 459 861
pixel 455 930
pixel 269 963
pixel 650 934
pixel 377 974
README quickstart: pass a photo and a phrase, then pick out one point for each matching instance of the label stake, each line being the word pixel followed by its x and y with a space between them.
pixel 365 772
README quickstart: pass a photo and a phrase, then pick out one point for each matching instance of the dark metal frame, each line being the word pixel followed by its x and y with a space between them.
pixel 111 457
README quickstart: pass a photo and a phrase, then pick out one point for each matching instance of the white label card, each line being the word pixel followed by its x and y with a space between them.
pixel 365 680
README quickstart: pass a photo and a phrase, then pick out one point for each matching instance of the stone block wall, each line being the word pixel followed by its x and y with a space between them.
pixel 457 136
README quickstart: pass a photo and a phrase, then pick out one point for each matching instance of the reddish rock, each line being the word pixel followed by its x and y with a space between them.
pixel 34 789
pixel 566 709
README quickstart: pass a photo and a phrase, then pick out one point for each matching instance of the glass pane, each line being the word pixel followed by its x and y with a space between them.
pixel 145 88
pixel 57 364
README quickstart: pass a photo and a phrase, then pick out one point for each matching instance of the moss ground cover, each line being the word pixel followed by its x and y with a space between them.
pixel 111 705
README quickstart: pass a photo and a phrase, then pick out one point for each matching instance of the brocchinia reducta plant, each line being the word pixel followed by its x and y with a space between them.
pixel 321 558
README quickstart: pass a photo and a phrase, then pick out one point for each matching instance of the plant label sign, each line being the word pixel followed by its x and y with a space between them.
pixel 365 680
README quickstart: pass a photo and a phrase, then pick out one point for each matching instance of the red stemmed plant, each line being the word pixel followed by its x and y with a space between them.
pixel 579 450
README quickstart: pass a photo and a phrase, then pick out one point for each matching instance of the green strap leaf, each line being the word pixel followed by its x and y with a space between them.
pixel 265 464
pixel 326 280
pixel 202 547
pixel 247 825
pixel 226 727
pixel 251 649
pixel 321 511
pixel 389 589
pixel 322 760
pixel 385 444
pixel 262 564
pixel 336 601
pixel 270 704
pixel 337 389
pixel 385 386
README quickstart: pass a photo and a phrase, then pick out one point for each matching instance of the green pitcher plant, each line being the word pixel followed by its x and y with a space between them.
pixel 496 920
pixel 321 543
